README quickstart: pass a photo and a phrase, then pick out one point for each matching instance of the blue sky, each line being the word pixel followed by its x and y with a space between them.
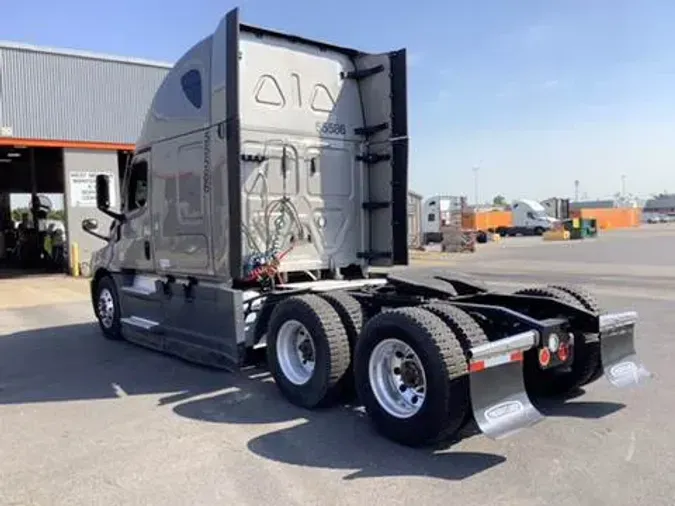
pixel 536 93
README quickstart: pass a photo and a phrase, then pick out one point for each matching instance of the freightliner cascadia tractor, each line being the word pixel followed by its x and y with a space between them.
pixel 267 186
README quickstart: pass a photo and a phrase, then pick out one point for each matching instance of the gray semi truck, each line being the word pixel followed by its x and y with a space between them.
pixel 267 184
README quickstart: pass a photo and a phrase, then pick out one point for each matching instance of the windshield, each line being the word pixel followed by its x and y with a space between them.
pixel 534 215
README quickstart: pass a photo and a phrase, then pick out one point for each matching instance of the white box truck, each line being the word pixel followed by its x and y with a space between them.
pixel 269 177
pixel 529 218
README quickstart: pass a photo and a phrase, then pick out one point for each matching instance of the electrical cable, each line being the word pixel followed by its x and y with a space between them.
pixel 262 265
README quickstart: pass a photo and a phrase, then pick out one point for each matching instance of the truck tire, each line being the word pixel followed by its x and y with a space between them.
pixel 107 307
pixel 307 350
pixel 584 297
pixel 411 376
pixel 589 302
pixel 467 330
pixel 555 382
pixel 351 315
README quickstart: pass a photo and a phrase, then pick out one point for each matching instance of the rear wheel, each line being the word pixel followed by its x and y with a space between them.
pixel 561 380
pixel 467 330
pixel 307 350
pixel 584 297
pixel 590 303
pixel 411 375
pixel 351 315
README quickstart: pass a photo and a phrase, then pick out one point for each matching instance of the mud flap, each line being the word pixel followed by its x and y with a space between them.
pixel 621 365
pixel 500 403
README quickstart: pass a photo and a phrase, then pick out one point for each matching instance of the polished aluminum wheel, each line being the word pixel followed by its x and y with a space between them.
pixel 106 308
pixel 397 378
pixel 296 353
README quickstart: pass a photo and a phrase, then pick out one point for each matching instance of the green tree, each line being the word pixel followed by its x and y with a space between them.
pixel 499 201
pixel 57 214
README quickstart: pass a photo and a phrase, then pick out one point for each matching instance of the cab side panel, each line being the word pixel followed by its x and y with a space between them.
pixel 180 197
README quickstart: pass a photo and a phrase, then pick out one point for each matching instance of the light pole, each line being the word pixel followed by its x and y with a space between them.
pixel 475 185
pixel 576 190
pixel 623 185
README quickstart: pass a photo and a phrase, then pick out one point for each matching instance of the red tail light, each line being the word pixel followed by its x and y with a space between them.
pixel 544 357
pixel 564 352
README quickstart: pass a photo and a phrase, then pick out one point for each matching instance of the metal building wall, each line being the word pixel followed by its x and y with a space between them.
pixel 50 95
pixel 78 162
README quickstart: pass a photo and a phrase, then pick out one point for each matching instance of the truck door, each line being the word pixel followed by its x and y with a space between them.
pixel 135 253
pixel 135 248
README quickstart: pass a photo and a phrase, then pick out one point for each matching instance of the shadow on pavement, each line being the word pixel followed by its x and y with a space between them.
pixel 19 273
pixel 75 362
pixel 590 410
pixel 338 438
pixel 566 406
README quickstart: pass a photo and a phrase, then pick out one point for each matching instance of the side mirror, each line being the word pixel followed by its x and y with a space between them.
pixel 89 224
pixel 103 198
pixel 102 192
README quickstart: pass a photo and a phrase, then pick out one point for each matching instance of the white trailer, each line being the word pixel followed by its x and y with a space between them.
pixel 440 211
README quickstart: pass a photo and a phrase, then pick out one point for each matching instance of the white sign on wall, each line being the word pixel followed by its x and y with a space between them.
pixel 83 188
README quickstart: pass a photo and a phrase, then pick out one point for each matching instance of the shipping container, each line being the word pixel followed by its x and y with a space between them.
pixel 487 220
pixel 611 218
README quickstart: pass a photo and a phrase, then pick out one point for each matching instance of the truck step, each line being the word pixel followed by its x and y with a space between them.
pixel 141 323
pixel 143 287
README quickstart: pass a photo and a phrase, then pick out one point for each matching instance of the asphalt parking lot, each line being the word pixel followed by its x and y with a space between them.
pixel 84 421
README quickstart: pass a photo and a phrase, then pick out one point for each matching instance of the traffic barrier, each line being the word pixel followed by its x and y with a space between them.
pixel 556 235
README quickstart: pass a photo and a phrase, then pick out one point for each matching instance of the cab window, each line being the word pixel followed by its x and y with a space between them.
pixel 137 189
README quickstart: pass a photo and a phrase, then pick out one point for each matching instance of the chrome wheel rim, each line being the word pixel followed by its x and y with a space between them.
pixel 296 353
pixel 397 378
pixel 106 308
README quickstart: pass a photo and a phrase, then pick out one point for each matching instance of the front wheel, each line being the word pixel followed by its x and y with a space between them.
pixel 411 376
pixel 107 307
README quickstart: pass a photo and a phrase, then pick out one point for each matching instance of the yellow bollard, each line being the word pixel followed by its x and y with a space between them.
pixel 75 260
